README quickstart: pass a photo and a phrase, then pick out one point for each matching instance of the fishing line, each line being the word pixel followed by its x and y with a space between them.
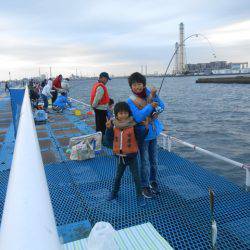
pixel 175 51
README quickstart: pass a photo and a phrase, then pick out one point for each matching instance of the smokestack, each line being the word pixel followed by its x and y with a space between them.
pixel 181 50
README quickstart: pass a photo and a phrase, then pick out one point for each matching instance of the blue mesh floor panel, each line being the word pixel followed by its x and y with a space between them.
pixel 181 213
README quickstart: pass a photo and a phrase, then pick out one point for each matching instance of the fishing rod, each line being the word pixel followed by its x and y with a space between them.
pixel 175 51
pixel 213 222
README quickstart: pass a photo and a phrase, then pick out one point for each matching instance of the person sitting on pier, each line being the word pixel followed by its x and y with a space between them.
pixel 34 96
pixel 61 103
pixel 120 133
pixel 145 106
pixel 7 87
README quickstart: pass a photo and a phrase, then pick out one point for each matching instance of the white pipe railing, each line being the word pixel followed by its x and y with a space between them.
pixel 28 221
pixel 167 142
pixel 75 100
pixel 171 139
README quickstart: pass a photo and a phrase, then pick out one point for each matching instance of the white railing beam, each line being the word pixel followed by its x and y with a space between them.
pixel 207 152
pixel 75 100
pixel 28 221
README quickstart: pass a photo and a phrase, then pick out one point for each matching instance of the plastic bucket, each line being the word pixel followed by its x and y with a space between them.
pixel 77 112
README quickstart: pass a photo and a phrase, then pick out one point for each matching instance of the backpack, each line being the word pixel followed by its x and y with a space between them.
pixel 40 116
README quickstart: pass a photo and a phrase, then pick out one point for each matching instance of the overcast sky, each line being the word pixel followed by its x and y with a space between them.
pixel 117 36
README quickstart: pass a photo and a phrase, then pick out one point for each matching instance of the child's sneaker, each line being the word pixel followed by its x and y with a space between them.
pixel 146 192
pixel 141 201
pixel 112 196
pixel 154 187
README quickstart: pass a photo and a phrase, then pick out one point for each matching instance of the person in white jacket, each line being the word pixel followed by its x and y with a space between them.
pixel 46 93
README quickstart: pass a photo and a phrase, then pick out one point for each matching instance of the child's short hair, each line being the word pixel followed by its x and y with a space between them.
pixel 111 101
pixel 63 93
pixel 122 106
pixel 136 77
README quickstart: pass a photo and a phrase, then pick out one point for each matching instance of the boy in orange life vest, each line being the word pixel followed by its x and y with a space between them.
pixel 99 100
pixel 120 131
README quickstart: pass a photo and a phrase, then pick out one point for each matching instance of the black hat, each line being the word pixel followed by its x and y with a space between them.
pixel 105 74
pixel 122 106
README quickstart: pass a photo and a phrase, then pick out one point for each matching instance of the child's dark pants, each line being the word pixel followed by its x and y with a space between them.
pixel 133 166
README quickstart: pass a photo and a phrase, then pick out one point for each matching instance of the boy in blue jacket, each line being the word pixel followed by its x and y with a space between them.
pixel 145 106
pixel 61 102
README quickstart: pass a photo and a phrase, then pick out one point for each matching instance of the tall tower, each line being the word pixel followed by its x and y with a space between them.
pixel 176 66
pixel 181 50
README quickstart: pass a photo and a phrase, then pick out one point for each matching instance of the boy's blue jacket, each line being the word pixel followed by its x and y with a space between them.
pixel 61 101
pixel 139 115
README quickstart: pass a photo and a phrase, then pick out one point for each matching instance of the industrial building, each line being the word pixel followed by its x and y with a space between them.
pixel 216 67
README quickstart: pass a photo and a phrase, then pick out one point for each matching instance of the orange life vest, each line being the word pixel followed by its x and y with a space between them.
pixel 124 141
pixel 105 97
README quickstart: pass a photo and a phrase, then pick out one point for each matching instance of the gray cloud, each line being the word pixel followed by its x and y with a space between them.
pixel 113 32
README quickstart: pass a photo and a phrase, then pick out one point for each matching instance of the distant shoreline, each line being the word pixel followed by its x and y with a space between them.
pixel 225 80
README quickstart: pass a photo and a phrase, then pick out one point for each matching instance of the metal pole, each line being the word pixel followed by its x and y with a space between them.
pixel 247 177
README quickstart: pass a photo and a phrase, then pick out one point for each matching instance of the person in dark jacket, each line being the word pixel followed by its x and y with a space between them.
pixel 120 133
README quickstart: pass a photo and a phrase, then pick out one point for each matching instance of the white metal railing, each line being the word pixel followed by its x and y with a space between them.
pixel 167 141
pixel 28 221
pixel 75 100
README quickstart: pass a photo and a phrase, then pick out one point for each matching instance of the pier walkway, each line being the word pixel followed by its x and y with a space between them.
pixel 79 189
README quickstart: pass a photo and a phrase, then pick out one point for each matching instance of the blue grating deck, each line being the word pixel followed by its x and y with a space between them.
pixel 180 213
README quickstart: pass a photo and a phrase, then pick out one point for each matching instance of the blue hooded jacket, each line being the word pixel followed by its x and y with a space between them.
pixel 155 127
pixel 61 101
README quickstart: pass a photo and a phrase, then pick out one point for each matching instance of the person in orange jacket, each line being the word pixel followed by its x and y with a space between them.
pixel 99 100
pixel 120 133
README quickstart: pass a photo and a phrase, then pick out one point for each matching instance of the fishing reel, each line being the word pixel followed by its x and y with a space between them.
pixel 157 111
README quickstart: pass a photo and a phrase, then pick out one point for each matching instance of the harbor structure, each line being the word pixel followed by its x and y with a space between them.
pixel 218 67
